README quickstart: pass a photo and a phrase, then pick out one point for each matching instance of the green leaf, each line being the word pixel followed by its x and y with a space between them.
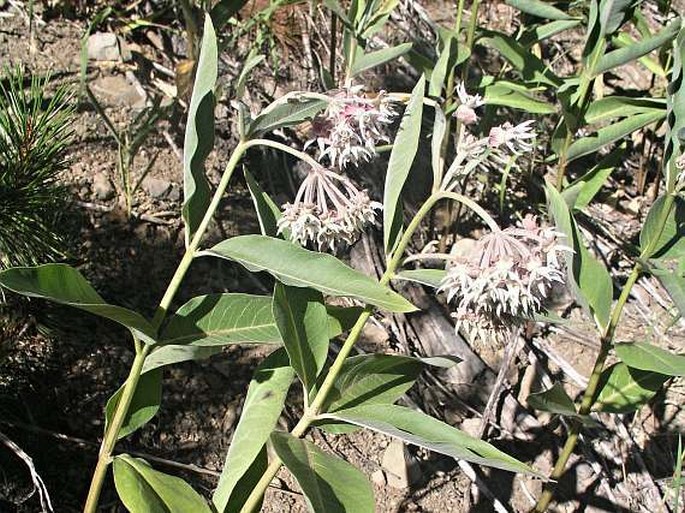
pixel 168 355
pixel 539 33
pixel 253 59
pixel 373 59
pixel 330 484
pixel 401 158
pixel 145 490
pixel 581 191
pixel 144 404
pixel 224 10
pixel 376 379
pixel 670 243
pixel 302 320
pixel 431 277
pixel 298 267
pixel 671 274
pixel 420 429
pixel 437 138
pixel 624 389
pixel 339 319
pixel 286 111
pixel 261 411
pixel 199 136
pixel 540 9
pixel 675 119
pixel 613 14
pixel 510 95
pixel 556 400
pixel 627 54
pixel 609 134
pixel 588 278
pixel 222 319
pixel 532 69
pixel 622 40
pixel 64 284
pixel 616 106
pixel 268 212
pixel 646 357
pixel 440 71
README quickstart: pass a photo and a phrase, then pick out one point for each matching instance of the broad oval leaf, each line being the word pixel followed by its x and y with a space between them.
pixel 671 274
pixel 647 357
pixel 440 71
pixel 222 319
pixel 298 267
pixel 669 213
pixel 539 33
pixel 623 389
pixel 377 379
pixel 64 284
pixel 199 135
pixel 263 406
pixel 588 277
pixel 302 321
pixel 145 490
pixel 330 484
pixel 431 277
pixel 556 400
pixel 291 109
pixel 581 191
pixel 420 429
pixel 144 405
pixel 401 158
pixel 373 59
pixel 612 133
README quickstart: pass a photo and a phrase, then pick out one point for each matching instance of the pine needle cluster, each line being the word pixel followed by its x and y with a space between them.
pixel 35 132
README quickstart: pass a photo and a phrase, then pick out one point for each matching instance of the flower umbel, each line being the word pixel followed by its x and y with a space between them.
pixel 516 138
pixel 351 127
pixel 504 278
pixel 466 112
pixel 328 210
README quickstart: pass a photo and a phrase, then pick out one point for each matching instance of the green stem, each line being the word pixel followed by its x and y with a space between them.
pixel 113 429
pixel 470 36
pixel 252 503
pixel 606 343
pixel 112 433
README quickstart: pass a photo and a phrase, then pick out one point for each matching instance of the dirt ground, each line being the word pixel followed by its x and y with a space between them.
pixel 61 367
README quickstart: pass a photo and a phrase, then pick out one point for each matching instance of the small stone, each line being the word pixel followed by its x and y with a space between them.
pixel 102 187
pixel 175 193
pixel 375 334
pixel 471 426
pixel 103 46
pixel 118 92
pixel 401 471
pixel 156 187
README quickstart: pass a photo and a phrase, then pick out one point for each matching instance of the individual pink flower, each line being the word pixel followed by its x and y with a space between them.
pixel 466 111
pixel 517 138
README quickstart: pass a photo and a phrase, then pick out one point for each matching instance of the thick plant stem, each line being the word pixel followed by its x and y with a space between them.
pixel 606 344
pixel 113 429
pixel 112 433
pixel 252 503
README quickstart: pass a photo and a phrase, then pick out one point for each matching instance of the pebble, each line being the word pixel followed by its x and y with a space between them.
pixel 118 91
pixel 156 187
pixel 102 187
pixel 401 470
pixel 103 46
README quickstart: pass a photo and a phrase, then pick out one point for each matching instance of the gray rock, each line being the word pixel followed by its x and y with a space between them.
pixel 118 91
pixel 102 187
pixel 175 194
pixel 401 470
pixel 103 46
pixel 156 187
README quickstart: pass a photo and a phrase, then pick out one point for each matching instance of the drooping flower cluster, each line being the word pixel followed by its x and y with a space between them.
pixel 351 127
pixel 503 143
pixel 504 278
pixel 328 210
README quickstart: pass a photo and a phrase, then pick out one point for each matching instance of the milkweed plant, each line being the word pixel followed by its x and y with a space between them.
pixel 492 285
